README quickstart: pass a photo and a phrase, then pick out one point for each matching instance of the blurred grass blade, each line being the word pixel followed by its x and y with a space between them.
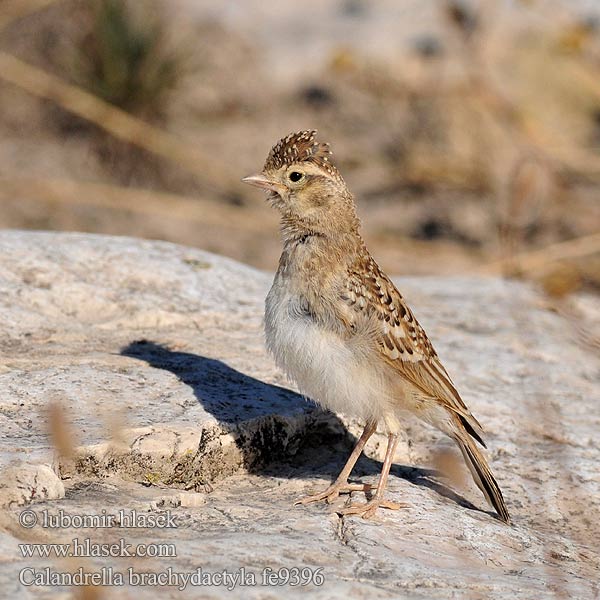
pixel 214 175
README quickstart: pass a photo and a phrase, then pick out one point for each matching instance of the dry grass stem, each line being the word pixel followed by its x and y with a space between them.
pixel 139 201
pixel 538 260
pixel 212 174
pixel 12 10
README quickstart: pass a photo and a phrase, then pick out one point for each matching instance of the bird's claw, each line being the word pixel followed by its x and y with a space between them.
pixel 332 493
pixel 368 509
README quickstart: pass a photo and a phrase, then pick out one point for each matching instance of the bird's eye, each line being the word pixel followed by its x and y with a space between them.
pixel 295 176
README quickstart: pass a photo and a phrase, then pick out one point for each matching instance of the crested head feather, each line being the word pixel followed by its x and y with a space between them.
pixel 301 147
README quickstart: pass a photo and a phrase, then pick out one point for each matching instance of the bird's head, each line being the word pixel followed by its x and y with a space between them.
pixel 304 184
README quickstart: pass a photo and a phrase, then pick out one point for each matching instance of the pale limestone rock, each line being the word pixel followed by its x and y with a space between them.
pixel 156 353
pixel 25 483
pixel 191 500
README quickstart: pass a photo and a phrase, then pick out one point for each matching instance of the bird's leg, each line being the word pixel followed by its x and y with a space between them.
pixel 367 509
pixel 341 484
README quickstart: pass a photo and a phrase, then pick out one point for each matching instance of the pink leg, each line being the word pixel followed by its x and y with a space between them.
pixel 341 483
pixel 367 509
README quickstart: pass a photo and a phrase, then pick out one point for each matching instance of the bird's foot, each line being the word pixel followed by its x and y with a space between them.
pixel 333 491
pixel 367 510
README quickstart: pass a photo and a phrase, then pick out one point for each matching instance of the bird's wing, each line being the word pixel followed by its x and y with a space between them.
pixel 401 339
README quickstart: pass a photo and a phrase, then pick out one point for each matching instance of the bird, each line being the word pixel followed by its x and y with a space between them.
pixel 340 329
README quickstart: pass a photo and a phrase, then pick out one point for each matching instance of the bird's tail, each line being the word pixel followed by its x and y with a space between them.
pixel 482 475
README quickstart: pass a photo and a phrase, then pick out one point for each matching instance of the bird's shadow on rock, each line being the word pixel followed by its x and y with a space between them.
pixel 229 395
pixel 233 397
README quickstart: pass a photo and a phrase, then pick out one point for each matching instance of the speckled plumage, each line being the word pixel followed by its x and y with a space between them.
pixel 401 339
pixel 340 328
pixel 301 147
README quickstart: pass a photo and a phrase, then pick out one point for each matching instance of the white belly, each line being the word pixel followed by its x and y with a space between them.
pixel 327 368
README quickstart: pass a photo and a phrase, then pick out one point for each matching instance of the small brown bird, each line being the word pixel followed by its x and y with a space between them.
pixel 342 331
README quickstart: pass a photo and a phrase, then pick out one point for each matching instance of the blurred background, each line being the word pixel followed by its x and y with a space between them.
pixel 468 131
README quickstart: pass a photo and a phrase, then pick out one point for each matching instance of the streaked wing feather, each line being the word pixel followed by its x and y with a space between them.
pixel 402 340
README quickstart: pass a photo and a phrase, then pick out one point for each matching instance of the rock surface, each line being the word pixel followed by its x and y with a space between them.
pixel 143 363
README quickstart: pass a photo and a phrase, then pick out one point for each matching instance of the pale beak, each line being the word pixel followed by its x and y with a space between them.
pixel 260 181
